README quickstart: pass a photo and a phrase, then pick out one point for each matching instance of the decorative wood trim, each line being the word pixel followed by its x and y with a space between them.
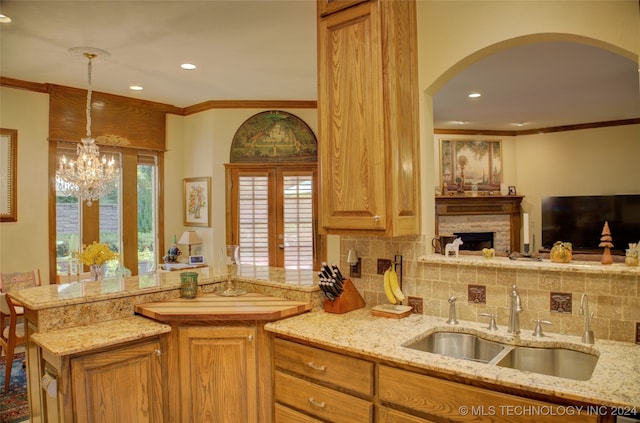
pixel 250 104
pixel 563 128
pixel 23 85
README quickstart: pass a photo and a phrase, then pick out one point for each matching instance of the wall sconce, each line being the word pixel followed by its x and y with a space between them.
pixel 355 263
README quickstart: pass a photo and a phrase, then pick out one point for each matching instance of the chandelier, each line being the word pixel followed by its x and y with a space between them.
pixel 89 176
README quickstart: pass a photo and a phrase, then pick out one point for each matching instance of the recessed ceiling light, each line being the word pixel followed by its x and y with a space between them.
pixel 460 122
pixel 474 95
pixel 135 87
pixel 188 66
pixel 519 123
pixel 4 18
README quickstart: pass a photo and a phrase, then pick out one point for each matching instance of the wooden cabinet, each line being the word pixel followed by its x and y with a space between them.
pixel 312 384
pixel 367 111
pixel 429 396
pixel 118 385
pixel 218 374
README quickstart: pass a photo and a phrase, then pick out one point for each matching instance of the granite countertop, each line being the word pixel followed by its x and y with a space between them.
pixel 614 381
pixel 105 334
pixel 593 267
pixel 49 296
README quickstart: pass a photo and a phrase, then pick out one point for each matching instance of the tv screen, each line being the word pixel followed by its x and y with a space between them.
pixel 580 220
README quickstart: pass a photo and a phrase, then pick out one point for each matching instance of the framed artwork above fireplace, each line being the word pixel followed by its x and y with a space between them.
pixel 465 163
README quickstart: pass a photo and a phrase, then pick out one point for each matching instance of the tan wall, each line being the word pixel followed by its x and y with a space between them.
pixel 23 244
pixel 600 161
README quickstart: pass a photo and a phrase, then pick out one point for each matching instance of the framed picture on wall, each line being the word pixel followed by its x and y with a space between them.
pixel 468 163
pixel 197 204
pixel 8 201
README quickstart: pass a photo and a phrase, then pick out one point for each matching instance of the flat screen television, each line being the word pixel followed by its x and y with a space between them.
pixel 580 219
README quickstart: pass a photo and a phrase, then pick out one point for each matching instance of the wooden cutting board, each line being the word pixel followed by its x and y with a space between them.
pixel 211 307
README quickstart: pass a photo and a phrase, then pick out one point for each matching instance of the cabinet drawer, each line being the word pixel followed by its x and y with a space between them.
pixel 286 415
pixel 346 372
pixel 321 402
pixel 387 415
pixel 434 396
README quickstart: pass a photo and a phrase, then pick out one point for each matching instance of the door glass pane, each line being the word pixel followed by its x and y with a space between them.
pixel 68 224
pixel 298 222
pixel 253 218
pixel 110 220
pixel 147 233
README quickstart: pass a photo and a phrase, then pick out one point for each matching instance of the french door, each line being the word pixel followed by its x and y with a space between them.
pixel 271 214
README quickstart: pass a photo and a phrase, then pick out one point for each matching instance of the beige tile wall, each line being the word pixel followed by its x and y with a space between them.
pixel 613 292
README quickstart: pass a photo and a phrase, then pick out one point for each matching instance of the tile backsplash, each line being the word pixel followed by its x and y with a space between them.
pixel 613 291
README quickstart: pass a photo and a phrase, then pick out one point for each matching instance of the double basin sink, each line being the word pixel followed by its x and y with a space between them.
pixel 556 361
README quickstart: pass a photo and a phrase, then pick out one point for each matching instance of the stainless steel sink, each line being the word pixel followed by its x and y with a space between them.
pixel 559 362
pixel 458 345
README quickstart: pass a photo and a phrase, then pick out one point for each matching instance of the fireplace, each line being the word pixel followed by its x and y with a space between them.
pixel 475 241
pixel 498 215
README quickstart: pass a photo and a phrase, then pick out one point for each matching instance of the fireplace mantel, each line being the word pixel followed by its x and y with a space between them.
pixel 464 205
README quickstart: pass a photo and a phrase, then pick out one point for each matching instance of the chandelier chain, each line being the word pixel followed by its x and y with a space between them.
pixel 89 176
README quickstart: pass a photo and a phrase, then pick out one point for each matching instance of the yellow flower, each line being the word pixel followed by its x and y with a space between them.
pixel 95 253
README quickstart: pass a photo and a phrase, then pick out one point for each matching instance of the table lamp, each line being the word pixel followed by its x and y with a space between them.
pixel 190 238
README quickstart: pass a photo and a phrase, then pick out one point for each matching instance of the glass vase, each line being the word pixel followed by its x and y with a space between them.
pixel 232 258
pixel 97 271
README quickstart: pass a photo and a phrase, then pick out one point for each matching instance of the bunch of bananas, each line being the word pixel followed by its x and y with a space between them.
pixel 391 286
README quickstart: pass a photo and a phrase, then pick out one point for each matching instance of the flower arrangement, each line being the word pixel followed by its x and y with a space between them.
pixel 196 199
pixel 95 254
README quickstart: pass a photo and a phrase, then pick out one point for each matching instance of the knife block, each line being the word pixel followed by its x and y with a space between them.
pixel 349 300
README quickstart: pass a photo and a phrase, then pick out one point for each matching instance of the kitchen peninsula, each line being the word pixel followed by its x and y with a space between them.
pixel 77 330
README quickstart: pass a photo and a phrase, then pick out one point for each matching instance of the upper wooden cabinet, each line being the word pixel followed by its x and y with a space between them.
pixel 367 109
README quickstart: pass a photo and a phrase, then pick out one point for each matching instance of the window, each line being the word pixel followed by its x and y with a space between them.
pixel 126 218
pixel 273 214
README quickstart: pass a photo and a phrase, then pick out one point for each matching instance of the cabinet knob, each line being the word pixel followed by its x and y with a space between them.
pixel 319 404
pixel 376 218
pixel 250 338
pixel 317 367
pixel 158 352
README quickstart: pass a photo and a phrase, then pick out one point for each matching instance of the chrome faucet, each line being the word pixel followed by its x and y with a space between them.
pixel 452 311
pixel 516 308
pixel 587 336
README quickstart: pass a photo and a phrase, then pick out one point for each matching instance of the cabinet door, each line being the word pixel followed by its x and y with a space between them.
pixel 218 374
pixel 388 415
pixel 122 385
pixel 326 7
pixel 350 112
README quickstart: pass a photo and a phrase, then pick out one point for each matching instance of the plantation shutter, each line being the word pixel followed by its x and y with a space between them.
pixel 298 221
pixel 253 219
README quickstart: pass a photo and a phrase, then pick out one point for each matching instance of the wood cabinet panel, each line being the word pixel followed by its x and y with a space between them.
pixel 327 404
pixel 218 374
pixel 122 385
pixel 436 397
pixel 347 372
pixel 326 7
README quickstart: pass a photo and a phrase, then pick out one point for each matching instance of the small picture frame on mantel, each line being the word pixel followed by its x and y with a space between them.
pixel 512 190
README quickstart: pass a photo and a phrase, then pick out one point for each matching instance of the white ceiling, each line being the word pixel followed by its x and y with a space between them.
pixel 266 50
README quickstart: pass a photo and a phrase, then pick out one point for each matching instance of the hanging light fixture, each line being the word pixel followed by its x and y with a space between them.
pixel 89 176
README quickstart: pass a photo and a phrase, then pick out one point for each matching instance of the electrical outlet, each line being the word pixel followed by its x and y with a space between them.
pixel 383 265
pixel 416 304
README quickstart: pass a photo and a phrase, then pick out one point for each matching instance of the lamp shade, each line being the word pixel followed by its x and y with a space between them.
pixel 352 257
pixel 190 238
